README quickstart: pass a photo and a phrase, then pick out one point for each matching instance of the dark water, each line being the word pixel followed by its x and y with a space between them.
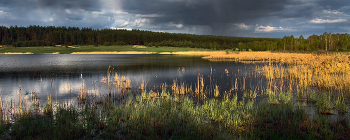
pixel 62 75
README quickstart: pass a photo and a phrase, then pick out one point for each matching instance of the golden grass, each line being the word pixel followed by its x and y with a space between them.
pixel 258 56
pixel 328 71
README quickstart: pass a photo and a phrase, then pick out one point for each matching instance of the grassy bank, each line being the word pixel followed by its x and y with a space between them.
pixel 95 49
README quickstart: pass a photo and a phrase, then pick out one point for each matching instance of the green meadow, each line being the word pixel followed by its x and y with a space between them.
pixel 93 48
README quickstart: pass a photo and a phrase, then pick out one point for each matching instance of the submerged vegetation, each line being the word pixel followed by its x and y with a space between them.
pixel 180 111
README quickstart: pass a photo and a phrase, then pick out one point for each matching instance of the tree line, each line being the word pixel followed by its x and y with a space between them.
pixel 325 41
pixel 50 36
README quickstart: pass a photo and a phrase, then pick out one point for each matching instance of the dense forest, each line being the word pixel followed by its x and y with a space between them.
pixel 51 36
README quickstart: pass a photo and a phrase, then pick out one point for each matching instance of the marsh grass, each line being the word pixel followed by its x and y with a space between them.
pixel 324 104
pixel 340 104
pixel 311 96
pixel 324 71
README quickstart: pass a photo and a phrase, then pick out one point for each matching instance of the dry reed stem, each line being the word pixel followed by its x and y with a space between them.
pixel 82 93
pixel 1 108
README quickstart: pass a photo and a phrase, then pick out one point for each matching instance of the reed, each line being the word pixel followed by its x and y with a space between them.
pixel 1 110
pixel 253 94
pixel 216 91
pixel 324 104
pixel 48 109
pixel 142 85
pixel 175 88
pixel 82 93
pixel 327 71
pixel 340 104
pixel 311 96
pixel 116 79
pixel 164 91
pixel 272 97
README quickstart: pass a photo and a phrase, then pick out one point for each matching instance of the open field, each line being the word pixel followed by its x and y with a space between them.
pixel 95 49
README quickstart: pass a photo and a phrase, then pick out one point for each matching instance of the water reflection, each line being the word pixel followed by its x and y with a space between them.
pixel 62 75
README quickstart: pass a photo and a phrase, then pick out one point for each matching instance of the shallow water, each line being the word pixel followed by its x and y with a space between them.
pixel 62 75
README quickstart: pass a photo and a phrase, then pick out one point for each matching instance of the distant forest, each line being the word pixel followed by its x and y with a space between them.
pixel 50 36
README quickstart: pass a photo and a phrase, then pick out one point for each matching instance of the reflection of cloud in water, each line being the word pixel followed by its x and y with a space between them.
pixel 67 83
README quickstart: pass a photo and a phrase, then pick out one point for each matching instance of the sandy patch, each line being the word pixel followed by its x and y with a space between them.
pixel 128 52
pixel 17 53
pixel 138 46
pixel 53 53
pixel 202 53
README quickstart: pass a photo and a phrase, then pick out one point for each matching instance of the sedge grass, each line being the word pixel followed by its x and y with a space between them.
pixel 340 104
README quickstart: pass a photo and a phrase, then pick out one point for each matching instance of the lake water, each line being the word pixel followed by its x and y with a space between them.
pixel 62 75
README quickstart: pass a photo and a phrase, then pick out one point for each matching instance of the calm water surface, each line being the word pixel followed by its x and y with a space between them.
pixel 62 75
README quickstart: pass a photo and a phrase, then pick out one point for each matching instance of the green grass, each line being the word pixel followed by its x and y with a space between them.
pixel 92 48
pixel 175 117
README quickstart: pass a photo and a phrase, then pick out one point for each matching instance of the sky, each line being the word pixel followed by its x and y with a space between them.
pixel 241 18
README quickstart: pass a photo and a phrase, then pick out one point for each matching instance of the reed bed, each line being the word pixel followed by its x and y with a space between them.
pixel 324 71
pixel 258 57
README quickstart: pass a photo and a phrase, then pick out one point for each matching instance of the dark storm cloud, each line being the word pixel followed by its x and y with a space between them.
pixel 51 12
pixel 204 11
pixel 217 14
pixel 332 4
pixel 87 5
pixel 215 17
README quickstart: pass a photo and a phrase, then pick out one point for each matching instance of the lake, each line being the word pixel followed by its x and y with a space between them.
pixel 62 75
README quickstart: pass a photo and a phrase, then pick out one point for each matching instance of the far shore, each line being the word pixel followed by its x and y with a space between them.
pixel 198 53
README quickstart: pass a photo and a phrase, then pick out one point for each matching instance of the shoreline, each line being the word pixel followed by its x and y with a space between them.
pixel 197 53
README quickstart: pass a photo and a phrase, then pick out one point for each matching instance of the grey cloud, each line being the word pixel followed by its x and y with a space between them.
pixel 332 4
pixel 87 5
pixel 215 17
pixel 217 14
